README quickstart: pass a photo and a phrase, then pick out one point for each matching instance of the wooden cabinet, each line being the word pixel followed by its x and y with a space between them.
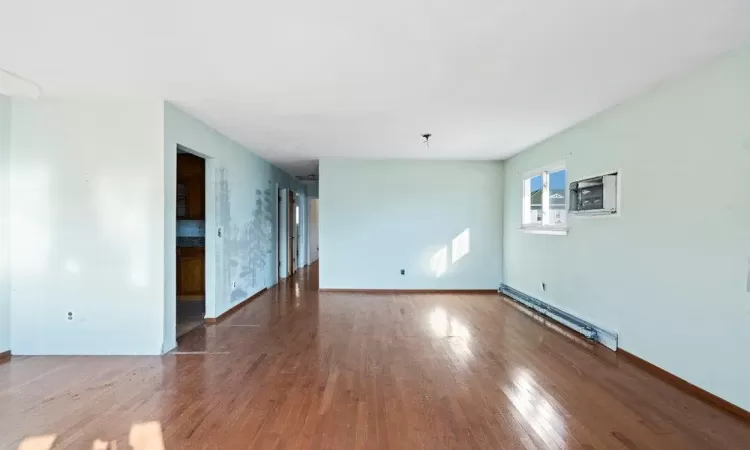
pixel 190 270
pixel 191 200
pixel 191 187
pixel 195 199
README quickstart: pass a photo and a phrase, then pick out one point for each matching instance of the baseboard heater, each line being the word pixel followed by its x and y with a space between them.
pixel 587 329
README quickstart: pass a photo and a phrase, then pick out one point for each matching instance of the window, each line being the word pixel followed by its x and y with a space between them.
pixel 296 215
pixel 544 200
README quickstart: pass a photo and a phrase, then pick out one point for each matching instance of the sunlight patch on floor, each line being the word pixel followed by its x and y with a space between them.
pixel 38 442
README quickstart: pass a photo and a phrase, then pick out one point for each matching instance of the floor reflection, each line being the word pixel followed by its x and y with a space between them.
pixel 446 326
pixel 537 411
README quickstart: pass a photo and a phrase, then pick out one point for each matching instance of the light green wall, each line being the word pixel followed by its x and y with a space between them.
pixel 378 217
pixel 4 223
pixel 312 189
pixel 670 273
pixel 87 234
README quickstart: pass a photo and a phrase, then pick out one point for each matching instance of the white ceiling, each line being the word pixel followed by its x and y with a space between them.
pixel 297 80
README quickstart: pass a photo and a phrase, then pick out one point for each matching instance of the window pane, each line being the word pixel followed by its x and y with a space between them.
pixel 557 193
pixel 533 203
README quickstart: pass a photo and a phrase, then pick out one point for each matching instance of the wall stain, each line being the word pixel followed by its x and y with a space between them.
pixel 223 220
pixel 248 246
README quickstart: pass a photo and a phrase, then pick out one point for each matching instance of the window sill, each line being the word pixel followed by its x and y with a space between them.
pixel 550 231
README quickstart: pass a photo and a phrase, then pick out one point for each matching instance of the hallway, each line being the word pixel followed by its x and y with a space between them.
pixel 300 369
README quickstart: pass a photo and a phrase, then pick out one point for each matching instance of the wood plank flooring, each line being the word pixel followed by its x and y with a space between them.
pixel 297 368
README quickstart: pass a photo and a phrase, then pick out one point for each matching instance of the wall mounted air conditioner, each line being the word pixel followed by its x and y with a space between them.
pixel 597 195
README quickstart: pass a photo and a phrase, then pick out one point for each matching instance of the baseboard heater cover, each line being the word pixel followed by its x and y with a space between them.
pixel 590 331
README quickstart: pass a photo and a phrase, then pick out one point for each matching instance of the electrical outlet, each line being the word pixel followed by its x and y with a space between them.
pixel 403 272
pixel 543 286
pixel 234 284
pixel 70 315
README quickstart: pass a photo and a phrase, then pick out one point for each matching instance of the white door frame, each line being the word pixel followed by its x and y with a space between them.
pixel 211 234
pixel 283 227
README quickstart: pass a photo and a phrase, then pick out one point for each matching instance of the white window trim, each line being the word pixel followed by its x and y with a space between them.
pixel 546 227
pixel 555 231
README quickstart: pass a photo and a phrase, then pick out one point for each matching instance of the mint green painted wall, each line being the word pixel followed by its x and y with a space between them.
pixel 670 274
pixel 312 190
pixel 4 223
pixel 378 217
pixel 87 233
pixel 244 188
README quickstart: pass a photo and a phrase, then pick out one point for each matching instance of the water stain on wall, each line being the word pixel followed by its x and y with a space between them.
pixel 223 219
pixel 248 246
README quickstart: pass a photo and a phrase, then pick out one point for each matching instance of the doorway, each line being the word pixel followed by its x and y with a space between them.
pixel 288 229
pixel 292 255
pixel 312 231
pixel 191 242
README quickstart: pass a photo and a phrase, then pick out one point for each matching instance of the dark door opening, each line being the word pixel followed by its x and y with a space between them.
pixel 191 242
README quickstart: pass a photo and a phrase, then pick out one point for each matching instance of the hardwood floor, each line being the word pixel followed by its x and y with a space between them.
pixel 300 369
